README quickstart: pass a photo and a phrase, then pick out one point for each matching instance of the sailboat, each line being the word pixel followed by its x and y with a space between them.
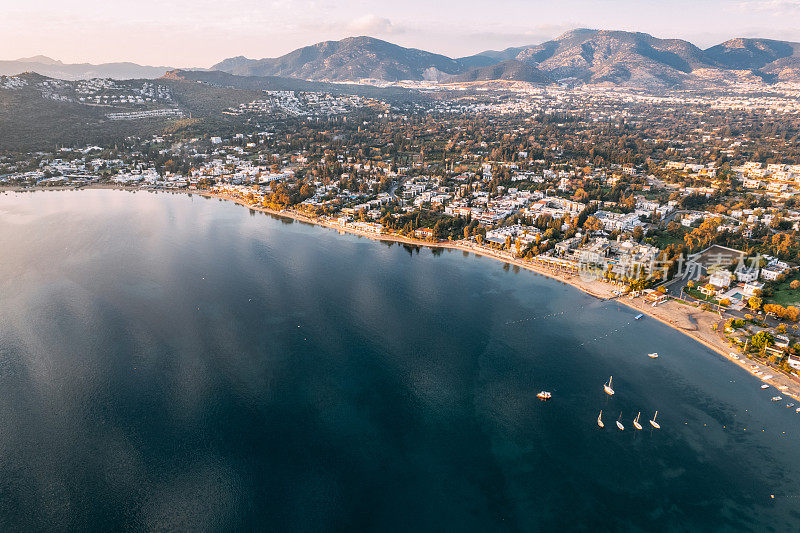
pixel 600 419
pixel 607 387
pixel 619 424
pixel 636 423
pixel 654 423
pixel 653 355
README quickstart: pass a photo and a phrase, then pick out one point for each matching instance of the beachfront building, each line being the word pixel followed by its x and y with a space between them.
pixel 424 233
pixel 625 258
pixel 366 227
pixel 517 232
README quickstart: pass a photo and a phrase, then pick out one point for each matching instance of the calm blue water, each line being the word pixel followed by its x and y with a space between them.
pixel 174 362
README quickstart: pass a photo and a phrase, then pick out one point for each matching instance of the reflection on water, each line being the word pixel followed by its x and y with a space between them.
pixel 171 362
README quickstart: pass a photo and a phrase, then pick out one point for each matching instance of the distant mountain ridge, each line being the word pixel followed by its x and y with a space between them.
pixel 581 56
pixel 578 56
pixel 350 59
pixel 53 68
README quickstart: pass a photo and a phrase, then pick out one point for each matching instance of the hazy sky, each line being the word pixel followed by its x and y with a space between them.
pixel 183 33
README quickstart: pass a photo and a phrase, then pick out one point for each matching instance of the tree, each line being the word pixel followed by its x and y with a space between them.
pixel 762 339
pixel 791 313
pixel 725 301
pixel 795 284
pixel 754 303
pixel 593 224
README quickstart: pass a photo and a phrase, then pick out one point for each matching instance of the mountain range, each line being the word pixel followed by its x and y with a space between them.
pixel 580 56
pixel 81 71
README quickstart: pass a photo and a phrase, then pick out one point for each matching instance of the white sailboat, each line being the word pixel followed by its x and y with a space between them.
pixel 636 423
pixel 654 423
pixel 619 424
pixel 600 419
pixel 653 355
pixel 607 387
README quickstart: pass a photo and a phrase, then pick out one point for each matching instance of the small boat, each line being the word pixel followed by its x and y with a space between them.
pixel 544 395
pixel 619 424
pixel 639 316
pixel 783 387
pixel 776 398
pixel 654 423
pixel 790 405
pixel 600 419
pixel 797 410
pixel 636 423
pixel 764 386
pixel 607 387
pixel 654 355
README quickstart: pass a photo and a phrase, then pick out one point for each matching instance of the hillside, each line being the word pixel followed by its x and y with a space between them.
pixel 751 54
pixel 52 68
pixel 350 59
pixel 511 70
pixel 37 112
pixel 616 57
pixel 277 83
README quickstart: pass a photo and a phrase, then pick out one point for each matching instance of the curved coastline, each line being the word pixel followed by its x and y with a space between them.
pixel 674 311
pixel 670 313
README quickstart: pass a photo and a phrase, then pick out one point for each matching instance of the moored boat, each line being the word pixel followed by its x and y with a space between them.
pixel 607 387
pixel 654 355
pixel 600 419
pixel 654 423
pixel 544 395
pixel 619 423
pixel 636 423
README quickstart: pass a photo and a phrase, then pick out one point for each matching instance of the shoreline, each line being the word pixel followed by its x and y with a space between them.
pixel 596 289
pixel 672 313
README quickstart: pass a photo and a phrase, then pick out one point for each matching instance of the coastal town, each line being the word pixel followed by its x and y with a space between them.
pixel 690 218
pixel 400 266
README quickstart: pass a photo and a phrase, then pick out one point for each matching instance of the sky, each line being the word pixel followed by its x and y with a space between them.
pixel 199 33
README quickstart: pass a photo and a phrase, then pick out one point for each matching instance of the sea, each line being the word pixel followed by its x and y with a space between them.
pixel 175 362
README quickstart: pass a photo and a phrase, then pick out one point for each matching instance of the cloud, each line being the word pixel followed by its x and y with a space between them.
pixel 372 24
pixel 775 7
